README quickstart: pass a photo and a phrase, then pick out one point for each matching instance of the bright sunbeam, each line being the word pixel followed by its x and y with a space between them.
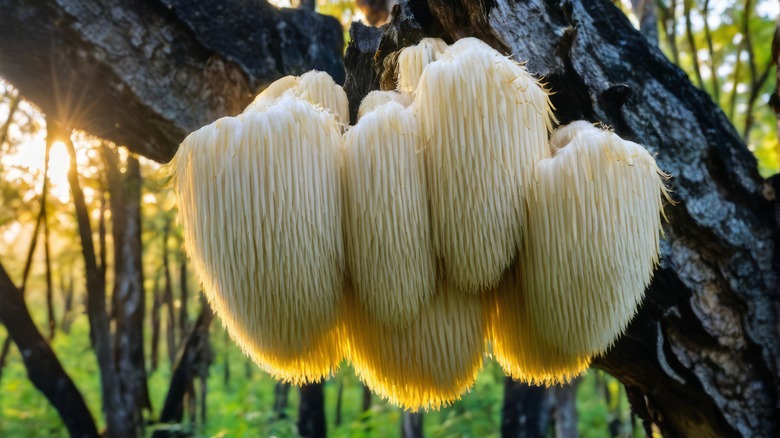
pixel 59 164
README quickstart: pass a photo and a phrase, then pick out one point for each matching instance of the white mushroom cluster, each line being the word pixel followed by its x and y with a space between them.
pixel 447 224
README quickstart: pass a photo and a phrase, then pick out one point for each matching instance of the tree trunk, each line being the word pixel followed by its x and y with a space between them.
pixel 412 425
pixel 281 396
pixel 184 318
pixel 129 296
pixel 189 63
pixel 43 368
pixel 644 10
pixel 565 412
pixel 155 320
pixel 700 358
pixel 191 358
pixel 119 421
pixel 526 411
pixel 52 320
pixel 167 299
pixel 67 307
pixel 311 411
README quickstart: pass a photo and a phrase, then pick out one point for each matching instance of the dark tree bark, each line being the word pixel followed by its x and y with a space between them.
pixel 43 368
pixel 184 318
pixel 564 410
pixel 129 296
pixel 311 411
pixel 526 410
pixel 143 74
pixel 167 299
pixel 52 320
pixel 119 419
pixel 192 357
pixel 412 425
pixel 155 321
pixel 339 403
pixel 67 307
pixel 281 397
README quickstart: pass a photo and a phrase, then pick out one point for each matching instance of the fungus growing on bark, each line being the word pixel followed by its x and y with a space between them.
pixel 427 364
pixel 595 216
pixel 377 98
pixel 315 87
pixel 484 121
pixel 260 206
pixel 516 344
pixel 413 59
pixel 386 226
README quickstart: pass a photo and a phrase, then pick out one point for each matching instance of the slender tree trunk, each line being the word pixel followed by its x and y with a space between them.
pixel 367 398
pixel 644 10
pixel 170 320
pixel 67 308
pixel 52 320
pixel 281 397
pixel 43 368
pixel 129 296
pixel 412 425
pixel 183 308
pixel 102 234
pixel 226 352
pixel 526 410
pixel 119 418
pixel 192 356
pixel 565 410
pixel 311 411
pixel 339 402
pixel 13 105
pixel 5 350
pixel 155 320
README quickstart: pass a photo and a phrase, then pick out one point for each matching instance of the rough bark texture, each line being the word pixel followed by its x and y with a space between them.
pixel 119 418
pixel 700 359
pixel 43 368
pixel 145 73
pixel 129 295
pixel 704 350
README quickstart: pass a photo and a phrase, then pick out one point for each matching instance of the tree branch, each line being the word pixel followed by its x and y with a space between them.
pixel 144 73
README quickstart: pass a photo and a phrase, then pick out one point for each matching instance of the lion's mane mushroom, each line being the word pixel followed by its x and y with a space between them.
pixel 315 87
pixel 260 206
pixel 517 346
pixel 377 98
pixel 412 61
pixel 484 121
pixel 427 364
pixel 594 220
pixel 388 243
